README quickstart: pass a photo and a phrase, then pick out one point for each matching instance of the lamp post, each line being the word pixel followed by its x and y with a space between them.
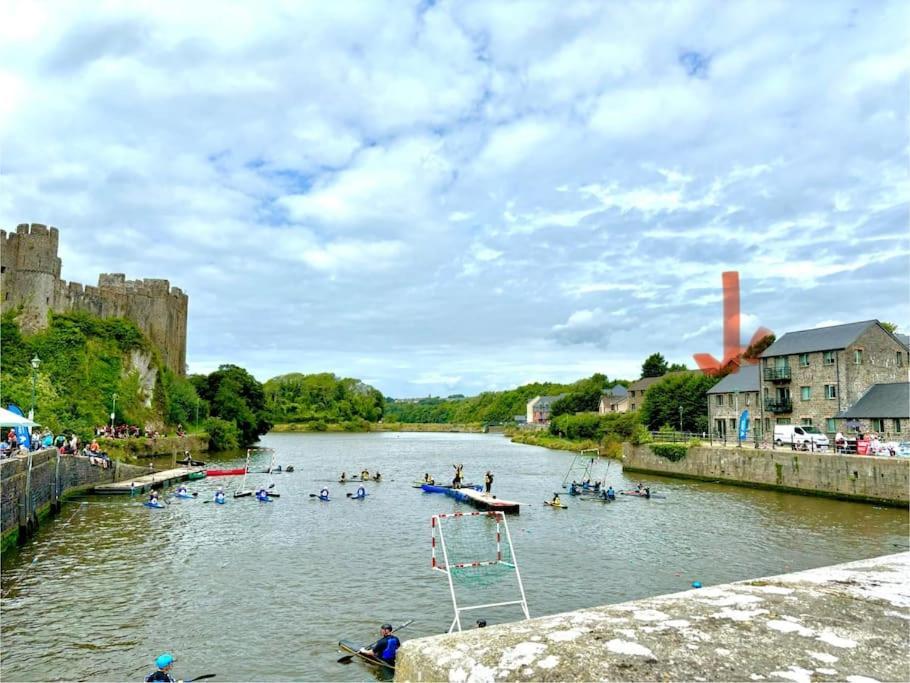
pixel 680 419
pixel 36 362
pixel 113 410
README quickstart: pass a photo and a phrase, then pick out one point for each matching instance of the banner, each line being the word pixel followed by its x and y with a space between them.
pixel 23 433
pixel 743 425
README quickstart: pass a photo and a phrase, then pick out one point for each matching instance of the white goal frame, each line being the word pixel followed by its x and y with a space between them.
pixel 444 566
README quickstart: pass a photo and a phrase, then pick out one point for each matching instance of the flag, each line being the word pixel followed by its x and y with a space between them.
pixel 743 424
pixel 23 434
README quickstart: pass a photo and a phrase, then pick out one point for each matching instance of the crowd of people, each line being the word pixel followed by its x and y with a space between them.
pixel 66 444
pixel 126 431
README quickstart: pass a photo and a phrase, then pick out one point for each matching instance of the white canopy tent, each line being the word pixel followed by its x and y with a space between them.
pixel 10 419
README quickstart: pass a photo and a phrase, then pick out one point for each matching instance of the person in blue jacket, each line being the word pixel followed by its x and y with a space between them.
pixel 324 494
pixel 164 663
pixel 611 494
pixel 262 495
pixel 361 492
pixel 219 495
pixel 386 647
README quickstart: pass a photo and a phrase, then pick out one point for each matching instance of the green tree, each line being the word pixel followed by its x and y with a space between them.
pixel 234 395
pixel 683 392
pixel 677 367
pixel 755 350
pixel 655 365
pixel 891 327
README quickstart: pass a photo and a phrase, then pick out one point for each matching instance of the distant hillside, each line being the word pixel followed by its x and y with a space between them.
pixel 322 397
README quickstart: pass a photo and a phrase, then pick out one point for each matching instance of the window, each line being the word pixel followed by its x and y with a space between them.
pixel 732 424
pixel 900 359
pixel 719 399
pixel 857 356
pixel 767 424
pixel 748 399
pixel 804 360
pixel 829 357
pixel 730 400
pixel 806 421
pixel 878 424
pixel 831 424
pixel 896 423
pixel 782 421
pixel 805 393
pixel 830 391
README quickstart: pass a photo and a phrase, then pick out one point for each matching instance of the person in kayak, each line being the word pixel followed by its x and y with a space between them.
pixel 481 623
pixel 164 663
pixel 427 479
pixel 611 494
pixel 377 476
pixel 361 492
pixel 219 495
pixel 324 494
pixel 262 494
pixel 646 492
pixel 181 490
pixel 343 478
pixel 573 489
pixel 365 475
pixel 153 498
pixel 556 502
pixel 384 648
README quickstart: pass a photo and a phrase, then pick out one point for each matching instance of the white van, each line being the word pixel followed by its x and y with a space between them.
pixel 804 436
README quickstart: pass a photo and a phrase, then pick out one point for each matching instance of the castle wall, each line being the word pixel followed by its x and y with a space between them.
pixel 30 277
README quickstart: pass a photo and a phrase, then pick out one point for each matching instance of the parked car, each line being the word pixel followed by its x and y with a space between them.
pixel 803 437
pixel 903 449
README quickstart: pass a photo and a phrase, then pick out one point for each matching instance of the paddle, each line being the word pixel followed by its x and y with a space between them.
pixel 199 678
pixel 346 659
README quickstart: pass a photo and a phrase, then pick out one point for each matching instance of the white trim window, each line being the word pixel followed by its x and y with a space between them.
pixel 830 391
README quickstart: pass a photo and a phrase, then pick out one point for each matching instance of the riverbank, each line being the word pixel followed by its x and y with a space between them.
pixel 844 622
pixel 134 448
pixel 304 427
pixel 861 478
pixel 29 495
pixel 546 440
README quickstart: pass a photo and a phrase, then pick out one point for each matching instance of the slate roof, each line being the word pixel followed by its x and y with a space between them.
pixel 882 400
pixel 645 382
pixel 748 378
pixel 547 401
pixel 820 339
pixel 617 391
pixel 903 339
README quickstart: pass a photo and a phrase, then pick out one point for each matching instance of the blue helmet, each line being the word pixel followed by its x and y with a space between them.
pixel 164 660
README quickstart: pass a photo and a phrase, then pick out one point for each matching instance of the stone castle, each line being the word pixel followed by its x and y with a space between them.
pixel 30 277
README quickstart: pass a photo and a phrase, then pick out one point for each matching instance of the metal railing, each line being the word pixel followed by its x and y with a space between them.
pixel 780 405
pixel 772 374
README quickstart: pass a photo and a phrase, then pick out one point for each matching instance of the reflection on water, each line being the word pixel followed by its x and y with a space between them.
pixel 255 591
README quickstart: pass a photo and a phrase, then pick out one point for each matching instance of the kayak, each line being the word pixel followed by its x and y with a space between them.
pixel 183 495
pixel 354 649
pixel 325 498
pixel 264 500
pixel 220 502
pixel 358 497
pixel 154 505
pixel 641 494
pixel 564 507
pixel 194 463
pixel 225 473
pixel 196 475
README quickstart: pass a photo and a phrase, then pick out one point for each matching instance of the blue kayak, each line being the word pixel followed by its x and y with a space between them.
pixel 264 500
pixel 183 495
pixel 325 498
pixel 358 497
pixel 154 505
pixel 221 501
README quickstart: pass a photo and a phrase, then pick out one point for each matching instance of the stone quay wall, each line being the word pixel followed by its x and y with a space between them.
pixel 845 622
pixel 851 477
pixel 25 499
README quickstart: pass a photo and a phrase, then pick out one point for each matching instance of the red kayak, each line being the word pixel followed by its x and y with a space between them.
pixel 224 473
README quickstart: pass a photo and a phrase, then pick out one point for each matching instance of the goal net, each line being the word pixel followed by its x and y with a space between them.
pixel 474 550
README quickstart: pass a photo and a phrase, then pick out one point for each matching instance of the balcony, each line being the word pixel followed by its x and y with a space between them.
pixel 777 374
pixel 781 405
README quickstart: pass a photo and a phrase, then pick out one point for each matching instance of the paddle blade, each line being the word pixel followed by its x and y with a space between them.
pixel 347 659
pixel 199 678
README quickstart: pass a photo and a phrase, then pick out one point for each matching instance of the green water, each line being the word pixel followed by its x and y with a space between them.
pixel 255 591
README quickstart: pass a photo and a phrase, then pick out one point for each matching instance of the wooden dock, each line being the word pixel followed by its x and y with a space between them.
pixel 146 482
pixel 484 501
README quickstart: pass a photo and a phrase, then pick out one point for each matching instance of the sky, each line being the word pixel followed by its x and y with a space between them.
pixel 441 197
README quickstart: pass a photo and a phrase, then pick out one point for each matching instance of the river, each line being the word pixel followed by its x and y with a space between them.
pixel 263 592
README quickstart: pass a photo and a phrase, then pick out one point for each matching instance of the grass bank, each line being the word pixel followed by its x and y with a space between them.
pixel 609 448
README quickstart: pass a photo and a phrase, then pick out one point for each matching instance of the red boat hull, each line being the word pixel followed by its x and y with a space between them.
pixel 224 473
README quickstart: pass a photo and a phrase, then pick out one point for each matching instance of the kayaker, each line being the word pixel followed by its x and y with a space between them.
pixel 611 494
pixel 324 494
pixel 384 648
pixel 427 479
pixel 377 476
pixel 365 475
pixel 488 481
pixel 556 502
pixel 361 492
pixel 164 663
pixel 219 495
pixel 646 492
pixel 481 623
pixel 181 490
pixel 573 489
pixel 262 494
pixel 153 498
pixel 343 478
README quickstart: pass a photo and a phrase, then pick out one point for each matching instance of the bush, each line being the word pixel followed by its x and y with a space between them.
pixel 640 436
pixel 673 452
pixel 694 443
pixel 320 426
pixel 223 435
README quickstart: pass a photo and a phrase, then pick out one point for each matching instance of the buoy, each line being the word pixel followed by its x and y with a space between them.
pixel 696 584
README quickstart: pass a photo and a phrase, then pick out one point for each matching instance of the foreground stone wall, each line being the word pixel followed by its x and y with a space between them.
pixel 23 500
pixel 827 624
pixel 853 477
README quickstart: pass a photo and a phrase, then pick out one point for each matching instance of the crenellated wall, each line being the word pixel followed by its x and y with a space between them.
pixel 31 278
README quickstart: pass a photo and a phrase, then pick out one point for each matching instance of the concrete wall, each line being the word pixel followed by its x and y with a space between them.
pixel 853 477
pixel 21 505
pixel 846 622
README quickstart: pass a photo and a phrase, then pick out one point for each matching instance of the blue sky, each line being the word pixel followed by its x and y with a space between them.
pixel 454 197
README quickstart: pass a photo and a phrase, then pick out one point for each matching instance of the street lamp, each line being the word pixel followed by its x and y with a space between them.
pixel 680 419
pixel 36 362
pixel 113 410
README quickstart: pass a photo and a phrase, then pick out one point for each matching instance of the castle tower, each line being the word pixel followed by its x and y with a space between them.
pixel 30 272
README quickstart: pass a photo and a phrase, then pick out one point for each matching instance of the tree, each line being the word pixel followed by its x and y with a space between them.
pixel 655 365
pixel 677 367
pixel 688 392
pixel 236 396
pixel 891 327
pixel 755 350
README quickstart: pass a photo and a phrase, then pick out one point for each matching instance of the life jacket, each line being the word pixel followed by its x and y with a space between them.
pixel 391 647
pixel 219 497
pixel 159 675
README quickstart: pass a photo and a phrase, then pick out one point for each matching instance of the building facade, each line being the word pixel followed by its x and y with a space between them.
pixel 30 279
pixel 614 399
pixel 538 410
pixel 811 377
pixel 883 410
pixel 727 399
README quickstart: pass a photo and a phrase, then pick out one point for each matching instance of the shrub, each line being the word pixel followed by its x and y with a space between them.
pixel 223 435
pixel 640 435
pixel 671 451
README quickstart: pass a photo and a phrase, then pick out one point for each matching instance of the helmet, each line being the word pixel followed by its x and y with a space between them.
pixel 164 660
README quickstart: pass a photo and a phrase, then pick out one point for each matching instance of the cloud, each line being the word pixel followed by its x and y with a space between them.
pixel 462 196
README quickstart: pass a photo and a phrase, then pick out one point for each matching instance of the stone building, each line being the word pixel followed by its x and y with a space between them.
pixel 884 410
pixel 728 398
pixel 614 399
pixel 30 278
pixel 538 409
pixel 639 388
pixel 810 377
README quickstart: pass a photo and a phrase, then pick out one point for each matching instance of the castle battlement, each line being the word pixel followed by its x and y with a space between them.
pixel 30 278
